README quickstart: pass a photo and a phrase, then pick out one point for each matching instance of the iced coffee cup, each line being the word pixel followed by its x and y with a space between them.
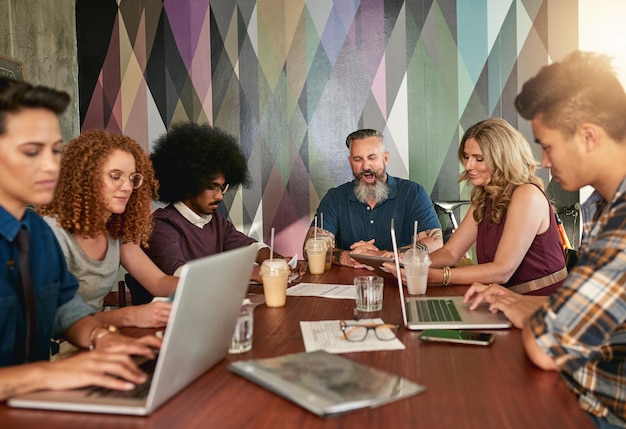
pixel 330 245
pixel 274 275
pixel 316 254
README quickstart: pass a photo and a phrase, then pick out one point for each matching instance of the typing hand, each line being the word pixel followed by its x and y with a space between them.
pixel 478 293
pixel 517 308
pixel 116 343
pixel 153 315
pixel 110 370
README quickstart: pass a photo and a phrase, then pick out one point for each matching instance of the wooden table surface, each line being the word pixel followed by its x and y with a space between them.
pixel 466 386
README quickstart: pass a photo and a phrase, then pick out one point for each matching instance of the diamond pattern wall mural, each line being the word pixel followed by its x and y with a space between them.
pixel 292 78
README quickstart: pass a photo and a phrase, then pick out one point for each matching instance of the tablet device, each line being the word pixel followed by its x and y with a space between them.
pixel 374 263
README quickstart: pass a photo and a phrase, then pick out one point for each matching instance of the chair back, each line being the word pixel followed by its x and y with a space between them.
pixel 571 257
pixel 138 293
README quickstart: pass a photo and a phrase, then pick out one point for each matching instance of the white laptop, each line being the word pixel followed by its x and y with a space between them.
pixel 445 312
pixel 201 325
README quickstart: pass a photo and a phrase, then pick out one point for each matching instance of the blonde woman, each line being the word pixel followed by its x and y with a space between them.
pixel 511 220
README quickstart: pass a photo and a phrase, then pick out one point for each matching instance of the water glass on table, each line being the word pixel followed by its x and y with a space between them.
pixel 369 293
pixel 242 337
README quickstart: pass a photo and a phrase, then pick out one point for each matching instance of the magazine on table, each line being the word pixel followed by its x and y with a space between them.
pixel 326 384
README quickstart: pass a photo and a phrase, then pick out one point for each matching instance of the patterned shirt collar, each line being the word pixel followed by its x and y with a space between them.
pixel 593 209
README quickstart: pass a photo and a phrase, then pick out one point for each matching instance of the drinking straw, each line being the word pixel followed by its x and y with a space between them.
pixel 415 238
pixel 272 246
pixel 315 229
pixel 322 220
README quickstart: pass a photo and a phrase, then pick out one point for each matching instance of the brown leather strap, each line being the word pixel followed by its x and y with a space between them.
pixel 540 283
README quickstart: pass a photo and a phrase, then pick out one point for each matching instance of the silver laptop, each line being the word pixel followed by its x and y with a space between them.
pixel 446 312
pixel 201 325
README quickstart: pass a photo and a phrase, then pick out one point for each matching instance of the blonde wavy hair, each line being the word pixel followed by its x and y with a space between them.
pixel 510 161
pixel 78 203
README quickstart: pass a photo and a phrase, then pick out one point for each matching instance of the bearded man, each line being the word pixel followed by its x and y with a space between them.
pixel 358 214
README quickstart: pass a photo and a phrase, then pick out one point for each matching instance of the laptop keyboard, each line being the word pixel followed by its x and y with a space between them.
pixel 436 310
pixel 140 391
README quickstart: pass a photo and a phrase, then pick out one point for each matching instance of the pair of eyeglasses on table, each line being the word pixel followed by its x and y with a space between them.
pixel 356 332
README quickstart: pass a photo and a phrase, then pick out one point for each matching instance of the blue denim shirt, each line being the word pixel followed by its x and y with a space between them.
pixel 56 303
pixel 351 220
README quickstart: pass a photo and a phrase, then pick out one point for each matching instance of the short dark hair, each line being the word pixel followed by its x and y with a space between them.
pixel 16 96
pixel 189 156
pixel 581 88
pixel 363 134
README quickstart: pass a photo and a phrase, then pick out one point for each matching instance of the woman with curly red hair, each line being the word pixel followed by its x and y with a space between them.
pixel 100 215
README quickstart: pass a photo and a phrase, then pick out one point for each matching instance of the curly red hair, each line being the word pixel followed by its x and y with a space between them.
pixel 78 204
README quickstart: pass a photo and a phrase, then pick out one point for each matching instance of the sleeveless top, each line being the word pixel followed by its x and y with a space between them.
pixel 545 255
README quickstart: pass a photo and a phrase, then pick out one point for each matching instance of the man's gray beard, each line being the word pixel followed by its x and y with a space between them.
pixel 377 192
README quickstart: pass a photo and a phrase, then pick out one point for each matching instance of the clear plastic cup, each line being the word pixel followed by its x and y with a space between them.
pixel 316 254
pixel 274 275
pixel 416 265
pixel 330 246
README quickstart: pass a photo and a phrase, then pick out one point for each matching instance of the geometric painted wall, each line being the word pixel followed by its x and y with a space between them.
pixel 291 78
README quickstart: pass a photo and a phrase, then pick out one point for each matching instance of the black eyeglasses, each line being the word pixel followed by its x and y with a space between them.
pixel 358 332
pixel 214 187
pixel 118 178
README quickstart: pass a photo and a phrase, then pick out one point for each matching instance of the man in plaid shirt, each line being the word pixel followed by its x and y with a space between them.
pixel 578 113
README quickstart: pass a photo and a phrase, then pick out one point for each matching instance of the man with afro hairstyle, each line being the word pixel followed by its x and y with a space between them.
pixel 195 165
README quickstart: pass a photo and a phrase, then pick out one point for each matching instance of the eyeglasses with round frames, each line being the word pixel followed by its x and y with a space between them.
pixel 118 178
pixel 214 187
pixel 358 332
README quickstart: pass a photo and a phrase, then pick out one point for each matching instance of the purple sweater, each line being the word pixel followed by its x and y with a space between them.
pixel 176 241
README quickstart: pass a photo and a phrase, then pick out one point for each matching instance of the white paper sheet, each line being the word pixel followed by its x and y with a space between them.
pixel 322 290
pixel 326 335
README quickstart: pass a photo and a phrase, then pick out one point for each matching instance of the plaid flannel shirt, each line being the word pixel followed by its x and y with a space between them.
pixel 583 325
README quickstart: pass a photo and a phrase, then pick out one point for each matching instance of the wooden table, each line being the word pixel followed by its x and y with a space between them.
pixel 467 386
